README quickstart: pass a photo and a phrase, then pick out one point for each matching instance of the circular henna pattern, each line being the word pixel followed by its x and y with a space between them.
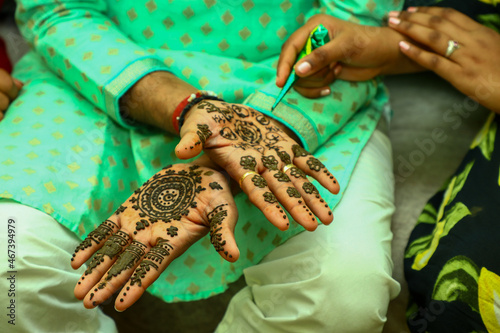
pixel 167 197
pixel 248 132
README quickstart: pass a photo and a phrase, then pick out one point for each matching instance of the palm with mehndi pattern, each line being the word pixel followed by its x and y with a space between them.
pixel 160 221
pixel 242 141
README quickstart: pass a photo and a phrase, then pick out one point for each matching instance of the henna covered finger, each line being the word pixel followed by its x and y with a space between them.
pixel 94 241
pixel 101 262
pixel 222 220
pixel 117 275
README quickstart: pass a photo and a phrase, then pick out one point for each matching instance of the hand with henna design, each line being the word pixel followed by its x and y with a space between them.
pixel 159 222
pixel 269 165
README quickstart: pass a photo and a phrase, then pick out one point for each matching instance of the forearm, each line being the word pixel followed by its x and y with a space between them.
pixel 153 99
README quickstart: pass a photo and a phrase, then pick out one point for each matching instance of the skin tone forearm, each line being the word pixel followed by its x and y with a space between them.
pixel 153 99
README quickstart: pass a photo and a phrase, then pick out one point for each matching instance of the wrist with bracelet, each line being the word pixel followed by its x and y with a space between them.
pixel 187 103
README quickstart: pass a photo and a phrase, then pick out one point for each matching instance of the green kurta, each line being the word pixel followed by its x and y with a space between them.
pixel 65 150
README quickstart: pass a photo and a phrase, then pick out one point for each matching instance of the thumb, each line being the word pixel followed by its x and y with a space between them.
pixel 222 221
pixel 193 138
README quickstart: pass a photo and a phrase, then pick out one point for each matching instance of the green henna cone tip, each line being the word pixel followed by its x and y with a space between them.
pixel 318 37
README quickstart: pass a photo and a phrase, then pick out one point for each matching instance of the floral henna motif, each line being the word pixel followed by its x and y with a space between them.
pixel 270 162
pixel 292 192
pixel 215 219
pixel 248 163
pixel 172 231
pixel 315 164
pixel 298 151
pixel 281 177
pixel 284 157
pixel 259 181
pixel 269 197
pixel 309 188
pixel 297 173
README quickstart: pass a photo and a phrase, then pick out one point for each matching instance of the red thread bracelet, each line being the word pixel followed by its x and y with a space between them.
pixel 184 103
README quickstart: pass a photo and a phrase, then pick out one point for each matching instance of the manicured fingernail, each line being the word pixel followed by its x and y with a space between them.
pixel 394 13
pixel 404 45
pixel 304 67
pixel 394 21
pixel 325 92
pixel 411 9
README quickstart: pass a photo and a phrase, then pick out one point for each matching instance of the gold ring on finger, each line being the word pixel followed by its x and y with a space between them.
pixel 452 46
pixel 288 167
pixel 245 175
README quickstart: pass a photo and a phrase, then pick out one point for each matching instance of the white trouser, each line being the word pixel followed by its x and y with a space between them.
pixel 335 279
pixel 43 280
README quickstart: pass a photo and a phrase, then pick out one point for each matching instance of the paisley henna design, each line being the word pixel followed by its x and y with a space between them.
pixel 98 235
pixel 128 259
pixel 269 197
pixel 281 177
pixel 172 231
pixel 228 133
pixel 297 173
pixel 248 163
pixel 315 164
pixel 259 181
pixel 154 258
pixel 203 133
pixel 215 186
pixel 215 218
pixel 270 162
pixel 113 247
pixel 309 188
pixel 298 151
pixel 167 197
pixel 292 192
pixel 284 157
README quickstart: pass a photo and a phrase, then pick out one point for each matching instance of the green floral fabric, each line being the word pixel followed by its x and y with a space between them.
pixel 65 150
